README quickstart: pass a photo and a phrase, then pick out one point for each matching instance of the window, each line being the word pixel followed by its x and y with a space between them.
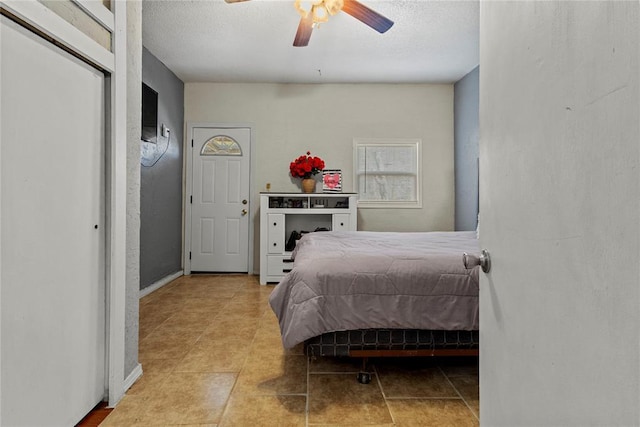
pixel 221 145
pixel 387 172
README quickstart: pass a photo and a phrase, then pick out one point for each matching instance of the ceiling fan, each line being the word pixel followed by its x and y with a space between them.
pixel 318 11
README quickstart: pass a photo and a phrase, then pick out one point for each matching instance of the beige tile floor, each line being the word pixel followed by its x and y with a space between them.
pixel 211 354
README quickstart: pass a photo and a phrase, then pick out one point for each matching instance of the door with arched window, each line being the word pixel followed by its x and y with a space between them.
pixel 220 176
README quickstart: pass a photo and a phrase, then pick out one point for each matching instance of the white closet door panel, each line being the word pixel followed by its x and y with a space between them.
pixel 53 285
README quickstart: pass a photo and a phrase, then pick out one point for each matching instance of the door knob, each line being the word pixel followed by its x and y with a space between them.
pixel 244 212
pixel 244 202
pixel 471 261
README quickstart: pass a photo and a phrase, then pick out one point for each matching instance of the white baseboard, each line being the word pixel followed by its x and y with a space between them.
pixel 160 283
pixel 133 377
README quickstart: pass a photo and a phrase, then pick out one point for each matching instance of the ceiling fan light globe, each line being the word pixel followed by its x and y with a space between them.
pixel 319 9
pixel 333 6
pixel 320 14
pixel 303 8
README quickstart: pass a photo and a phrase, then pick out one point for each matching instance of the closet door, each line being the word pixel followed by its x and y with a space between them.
pixel 52 232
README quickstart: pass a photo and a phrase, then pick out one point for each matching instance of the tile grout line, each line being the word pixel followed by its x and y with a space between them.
pixel 384 395
pixel 165 375
pixel 334 373
pixel 459 394
pixel 235 382
pixel 174 314
pixel 265 329
pixel 237 374
pixel 174 367
pixel 306 408
pixel 425 398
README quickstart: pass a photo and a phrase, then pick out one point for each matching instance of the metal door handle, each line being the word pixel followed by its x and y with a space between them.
pixel 471 261
pixel 244 212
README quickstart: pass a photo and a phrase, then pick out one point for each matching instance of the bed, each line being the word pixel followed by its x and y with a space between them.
pixel 369 294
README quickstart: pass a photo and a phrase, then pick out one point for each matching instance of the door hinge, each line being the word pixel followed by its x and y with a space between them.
pixel 192 143
pixel 190 199
pixel 189 255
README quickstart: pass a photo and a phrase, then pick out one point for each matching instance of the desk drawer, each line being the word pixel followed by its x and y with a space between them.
pixel 341 222
pixel 275 233
pixel 276 265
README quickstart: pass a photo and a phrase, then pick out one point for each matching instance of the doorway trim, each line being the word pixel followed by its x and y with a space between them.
pixel 114 64
pixel 188 185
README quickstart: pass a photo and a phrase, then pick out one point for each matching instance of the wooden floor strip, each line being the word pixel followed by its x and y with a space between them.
pixel 96 416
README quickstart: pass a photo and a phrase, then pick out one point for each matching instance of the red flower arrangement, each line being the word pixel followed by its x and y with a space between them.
pixel 306 166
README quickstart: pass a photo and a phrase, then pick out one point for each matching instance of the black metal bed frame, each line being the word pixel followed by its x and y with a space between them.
pixel 366 343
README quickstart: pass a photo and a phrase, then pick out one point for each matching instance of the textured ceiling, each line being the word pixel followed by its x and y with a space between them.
pixel 432 41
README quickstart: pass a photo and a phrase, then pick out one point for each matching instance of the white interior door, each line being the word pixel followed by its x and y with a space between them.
pixel 220 199
pixel 52 243
pixel 560 213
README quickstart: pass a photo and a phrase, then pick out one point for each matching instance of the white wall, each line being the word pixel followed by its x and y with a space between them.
pixel 290 119
pixel 134 112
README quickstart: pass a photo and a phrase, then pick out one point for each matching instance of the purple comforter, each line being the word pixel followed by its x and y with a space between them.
pixel 365 280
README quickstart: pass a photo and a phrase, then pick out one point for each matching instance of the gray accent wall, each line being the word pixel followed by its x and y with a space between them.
pixel 466 137
pixel 161 178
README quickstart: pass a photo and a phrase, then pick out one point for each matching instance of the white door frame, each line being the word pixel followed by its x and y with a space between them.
pixel 114 66
pixel 188 167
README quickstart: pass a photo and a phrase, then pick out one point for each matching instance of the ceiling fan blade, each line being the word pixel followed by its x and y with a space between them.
pixel 304 31
pixel 370 17
pixel 234 1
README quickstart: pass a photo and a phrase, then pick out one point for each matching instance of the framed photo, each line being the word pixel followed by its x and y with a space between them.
pixel 332 181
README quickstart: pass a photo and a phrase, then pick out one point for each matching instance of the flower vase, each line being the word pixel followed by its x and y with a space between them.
pixel 308 185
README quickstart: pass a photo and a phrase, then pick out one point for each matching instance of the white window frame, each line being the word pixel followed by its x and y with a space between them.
pixel 414 143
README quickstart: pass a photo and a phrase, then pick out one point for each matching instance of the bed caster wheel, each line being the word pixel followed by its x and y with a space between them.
pixel 364 377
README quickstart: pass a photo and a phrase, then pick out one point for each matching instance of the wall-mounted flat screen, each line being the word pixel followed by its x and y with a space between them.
pixel 149 114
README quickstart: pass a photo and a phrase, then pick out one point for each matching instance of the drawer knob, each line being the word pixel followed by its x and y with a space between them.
pixel 274 224
pixel 275 244
pixel 342 224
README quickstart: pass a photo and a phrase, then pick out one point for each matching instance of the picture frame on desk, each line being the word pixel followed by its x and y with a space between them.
pixel 332 181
